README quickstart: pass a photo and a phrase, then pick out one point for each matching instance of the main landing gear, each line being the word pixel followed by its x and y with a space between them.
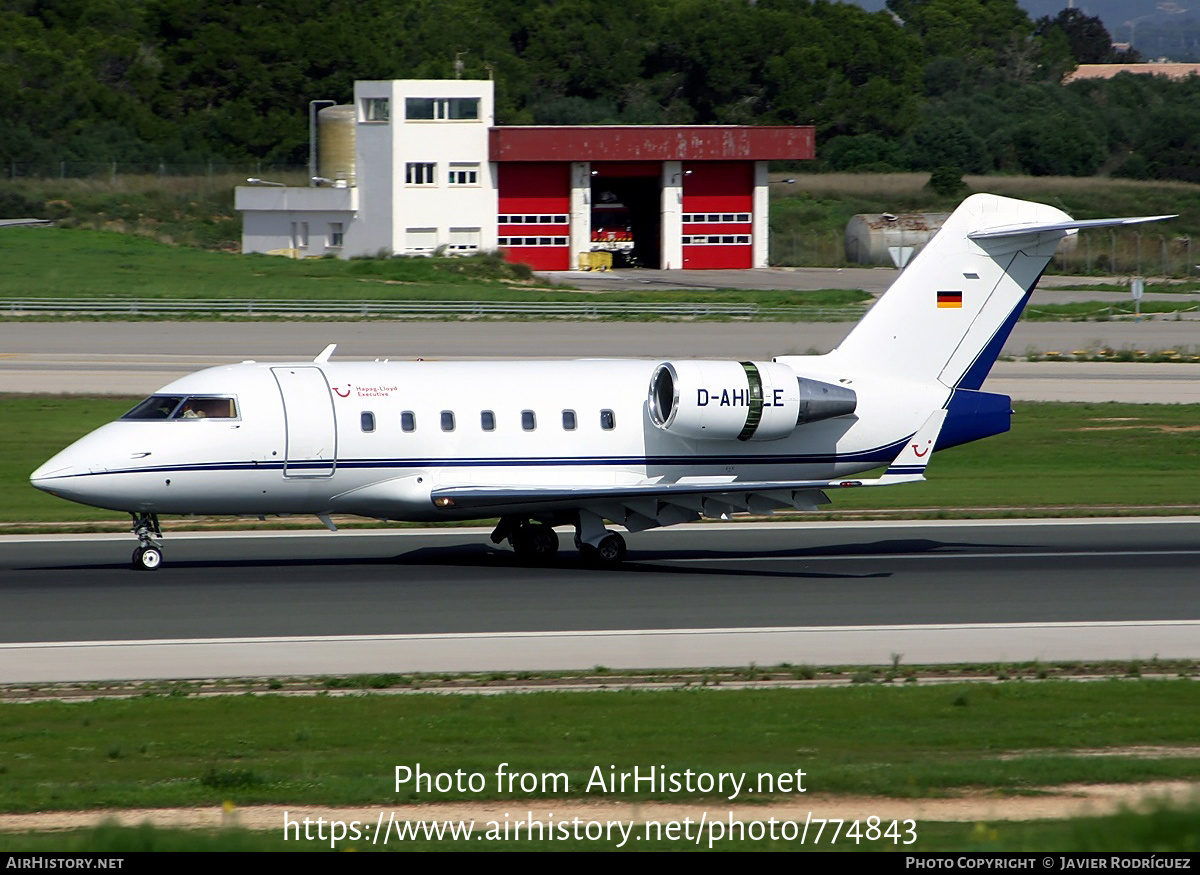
pixel 148 554
pixel 536 543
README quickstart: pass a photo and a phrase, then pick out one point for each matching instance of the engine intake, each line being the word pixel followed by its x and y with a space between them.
pixel 759 401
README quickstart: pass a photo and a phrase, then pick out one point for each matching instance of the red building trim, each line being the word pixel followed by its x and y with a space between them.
pixel 652 143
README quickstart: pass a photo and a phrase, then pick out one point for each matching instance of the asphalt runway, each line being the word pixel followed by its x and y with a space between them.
pixel 429 600
pixel 139 358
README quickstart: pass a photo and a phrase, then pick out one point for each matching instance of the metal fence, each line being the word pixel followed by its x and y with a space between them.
pixel 1104 252
pixel 114 169
pixel 151 307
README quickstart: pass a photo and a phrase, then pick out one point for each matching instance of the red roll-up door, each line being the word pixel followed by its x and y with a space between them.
pixel 718 217
pixel 534 219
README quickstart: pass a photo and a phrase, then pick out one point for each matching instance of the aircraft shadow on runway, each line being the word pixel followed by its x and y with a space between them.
pixel 639 561
pixel 645 561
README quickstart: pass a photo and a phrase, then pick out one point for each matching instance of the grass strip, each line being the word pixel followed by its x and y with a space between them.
pixel 57 263
pixel 905 740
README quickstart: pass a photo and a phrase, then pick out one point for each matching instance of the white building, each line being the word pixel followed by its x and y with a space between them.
pixel 414 166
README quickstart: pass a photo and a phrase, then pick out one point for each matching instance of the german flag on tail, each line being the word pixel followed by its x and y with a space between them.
pixel 949 299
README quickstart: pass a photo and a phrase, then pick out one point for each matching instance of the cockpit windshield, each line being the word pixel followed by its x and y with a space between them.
pixel 185 407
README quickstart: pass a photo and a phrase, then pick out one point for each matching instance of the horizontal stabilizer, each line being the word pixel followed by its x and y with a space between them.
pixel 1073 225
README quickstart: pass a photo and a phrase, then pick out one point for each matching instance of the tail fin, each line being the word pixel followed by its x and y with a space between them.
pixel 948 315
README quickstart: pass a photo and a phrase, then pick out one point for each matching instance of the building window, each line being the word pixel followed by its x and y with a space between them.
pixel 608 420
pixel 726 218
pixel 532 219
pixel 464 240
pixel 367 420
pixel 463 174
pixel 462 108
pixel 376 109
pixel 420 173
pixel 568 420
pixel 714 239
pixel 447 420
pixel 299 235
pixel 441 108
pixel 528 420
pixel 532 241
pixel 337 235
pixel 487 420
pixel 408 421
pixel 420 239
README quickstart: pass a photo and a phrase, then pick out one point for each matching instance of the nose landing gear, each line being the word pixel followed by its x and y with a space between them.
pixel 148 554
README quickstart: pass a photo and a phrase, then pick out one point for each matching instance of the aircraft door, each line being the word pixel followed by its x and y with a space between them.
pixel 310 431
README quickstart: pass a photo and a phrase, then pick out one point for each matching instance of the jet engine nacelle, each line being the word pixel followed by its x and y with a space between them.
pixel 750 401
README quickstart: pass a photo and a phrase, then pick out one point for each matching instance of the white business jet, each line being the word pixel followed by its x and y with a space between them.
pixel 574 443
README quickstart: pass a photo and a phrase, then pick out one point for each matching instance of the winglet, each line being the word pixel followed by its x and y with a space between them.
pixel 909 464
pixel 323 355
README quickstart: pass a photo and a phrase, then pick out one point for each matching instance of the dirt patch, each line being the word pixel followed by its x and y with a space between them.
pixel 1053 803
pixel 1166 429
pixel 1137 752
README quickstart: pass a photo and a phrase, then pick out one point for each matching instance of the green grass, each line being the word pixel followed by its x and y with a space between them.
pixel 1091 458
pixel 895 740
pixel 1180 287
pixel 35 428
pixel 1074 459
pixel 826 201
pixel 1100 311
pixel 808 219
pixel 42 262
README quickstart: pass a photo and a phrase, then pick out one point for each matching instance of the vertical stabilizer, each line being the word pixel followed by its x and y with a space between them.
pixel 947 316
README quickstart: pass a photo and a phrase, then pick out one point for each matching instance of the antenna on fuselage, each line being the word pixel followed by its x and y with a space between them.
pixel 324 354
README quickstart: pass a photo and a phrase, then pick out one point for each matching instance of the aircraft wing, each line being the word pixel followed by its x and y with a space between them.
pixel 645 505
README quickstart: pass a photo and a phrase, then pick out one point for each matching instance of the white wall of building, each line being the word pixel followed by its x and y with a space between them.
pixel 762 207
pixel 672 215
pixel 422 182
pixel 423 179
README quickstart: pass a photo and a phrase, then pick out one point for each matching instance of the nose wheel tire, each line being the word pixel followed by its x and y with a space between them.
pixel 147 558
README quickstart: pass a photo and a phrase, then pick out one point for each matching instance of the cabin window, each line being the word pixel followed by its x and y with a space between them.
pixel 155 407
pixel 487 420
pixel 408 421
pixel 528 420
pixel 367 421
pixel 568 420
pixel 185 407
pixel 447 420
pixel 608 420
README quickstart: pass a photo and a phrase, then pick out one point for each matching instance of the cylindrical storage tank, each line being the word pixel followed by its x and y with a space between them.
pixel 335 144
pixel 872 238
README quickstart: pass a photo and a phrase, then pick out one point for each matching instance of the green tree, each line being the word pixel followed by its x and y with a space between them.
pixel 1087 37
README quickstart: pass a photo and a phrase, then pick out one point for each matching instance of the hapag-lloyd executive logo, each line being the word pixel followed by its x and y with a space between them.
pixel 364 391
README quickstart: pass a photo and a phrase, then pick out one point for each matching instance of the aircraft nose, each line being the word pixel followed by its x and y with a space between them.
pixel 52 470
pixel 62 475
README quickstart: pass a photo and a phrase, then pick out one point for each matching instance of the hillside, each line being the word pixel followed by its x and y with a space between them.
pixel 174 86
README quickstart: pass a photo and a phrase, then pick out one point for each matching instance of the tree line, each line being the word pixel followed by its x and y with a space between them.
pixel 969 84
